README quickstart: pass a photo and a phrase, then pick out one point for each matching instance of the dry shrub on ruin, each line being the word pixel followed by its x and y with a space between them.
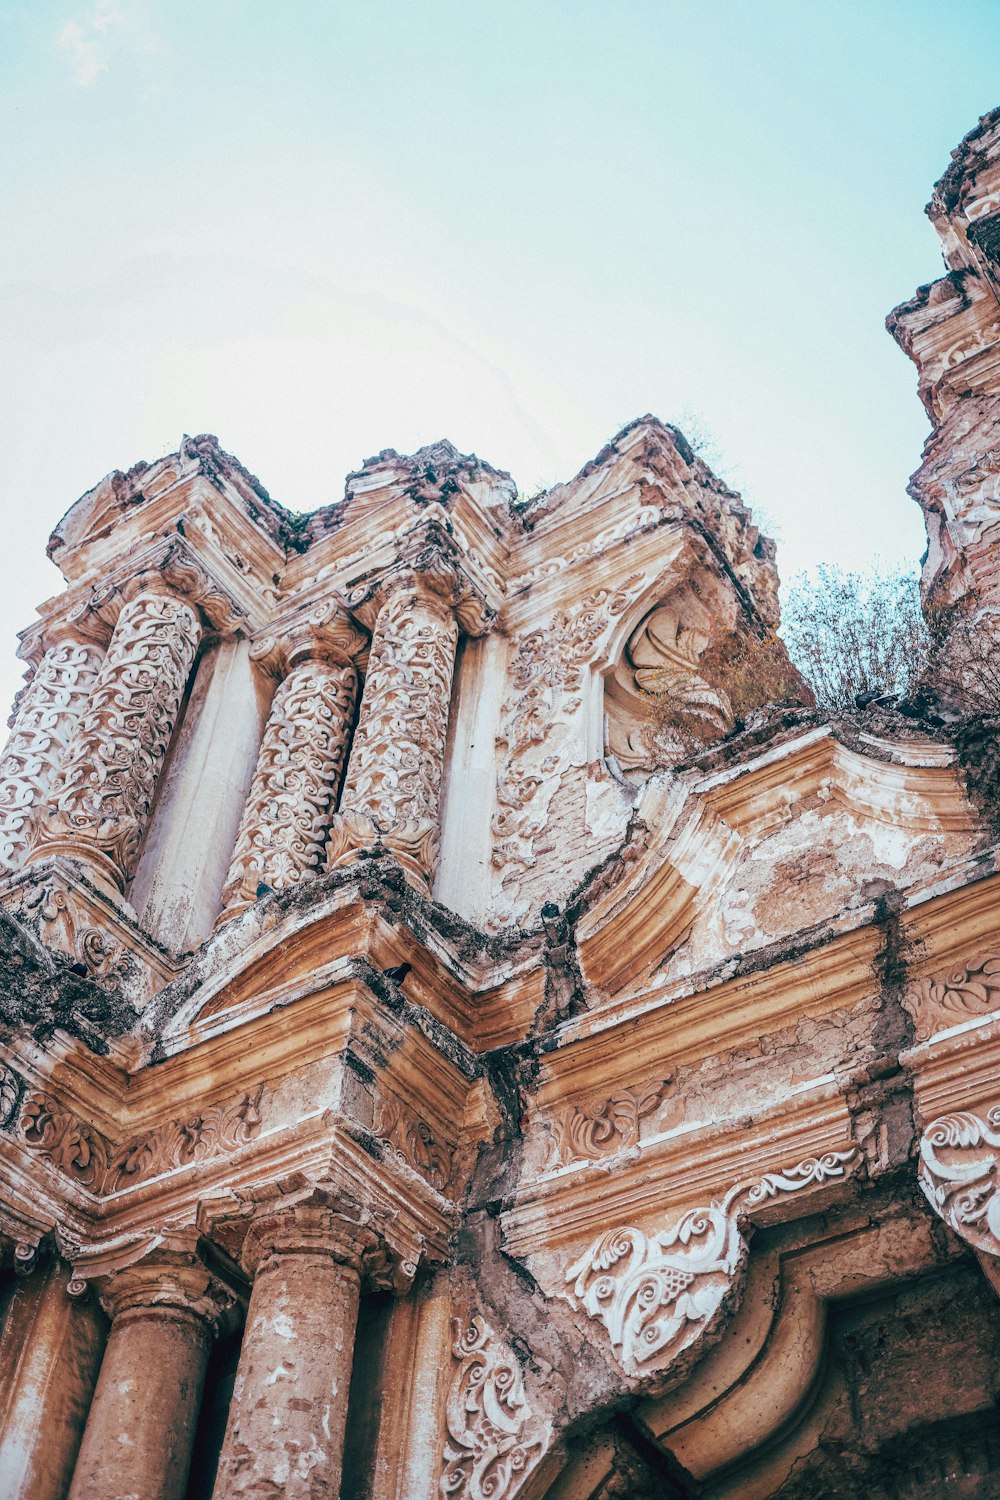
pixel 965 662
pixel 856 635
pixel 737 675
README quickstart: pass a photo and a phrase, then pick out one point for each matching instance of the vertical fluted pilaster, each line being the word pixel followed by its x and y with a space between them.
pixel 294 789
pixel 47 716
pixel 104 790
pixel 392 789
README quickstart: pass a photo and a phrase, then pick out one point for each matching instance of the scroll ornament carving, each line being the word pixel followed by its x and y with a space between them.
pixel 600 1127
pixel 104 791
pixel 547 673
pixel 301 758
pixel 494 1438
pixel 83 1153
pixel 393 782
pixel 959 1173
pixel 47 908
pixel 46 717
pixel 657 1293
pixel 963 995
pixel 413 1142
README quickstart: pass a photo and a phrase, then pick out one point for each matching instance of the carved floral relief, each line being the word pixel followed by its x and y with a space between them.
pixel 600 1127
pixel 959 1173
pixel 947 1000
pixel 494 1439
pixel 46 718
pixel 105 788
pixel 287 813
pixel 413 1141
pixel 79 1150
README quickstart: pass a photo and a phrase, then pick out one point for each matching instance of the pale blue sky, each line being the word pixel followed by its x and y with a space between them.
pixel 321 229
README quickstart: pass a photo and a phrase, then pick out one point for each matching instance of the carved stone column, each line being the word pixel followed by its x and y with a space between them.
pixel 285 1434
pixel 301 760
pixel 50 1351
pixel 47 715
pixel 105 788
pixel 164 1313
pixel 393 787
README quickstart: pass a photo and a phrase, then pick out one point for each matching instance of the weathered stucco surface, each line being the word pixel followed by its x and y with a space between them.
pixel 411 1086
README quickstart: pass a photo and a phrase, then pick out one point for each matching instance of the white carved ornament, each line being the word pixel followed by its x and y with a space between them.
pixel 959 1173
pixel 656 1293
pixel 494 1439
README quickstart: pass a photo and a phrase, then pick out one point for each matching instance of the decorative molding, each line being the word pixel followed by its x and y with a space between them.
pixel 494 1439
pixel 959 1173
pixel 963 995
pixel 80 1151
pixel 601 1127
pixel 809 1173
pixel 412 1140
pixel 656 1294
pixel 48 909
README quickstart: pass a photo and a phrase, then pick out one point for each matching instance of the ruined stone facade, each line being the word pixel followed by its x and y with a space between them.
pixel 409 1088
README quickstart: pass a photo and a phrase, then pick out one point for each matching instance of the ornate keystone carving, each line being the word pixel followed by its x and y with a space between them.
pixel 104 791
pixel 494 1438
pixel 46 718
pixel 809 1173
pixel 393 785
pixel 959 1173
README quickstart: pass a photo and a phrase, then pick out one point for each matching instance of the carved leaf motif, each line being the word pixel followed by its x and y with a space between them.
pixel 959 1173
pixel 655 1294
pixel 10 1094
pixel 599 1127
pixel 80 1151
pixel 298 772
pixel 46 718
pixel 494 1441
pixel 961 996
pixel 413 1142
pixel 814 1170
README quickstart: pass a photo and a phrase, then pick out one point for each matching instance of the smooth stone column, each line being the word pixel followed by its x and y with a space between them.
pixel 50 1352
pixel 47 714
pixel 285 1434
pixel 140 1432
pixel 392 791
pixel 103 794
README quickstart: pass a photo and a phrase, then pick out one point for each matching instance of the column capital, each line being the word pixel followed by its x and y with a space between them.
pixel 324 1222
pixel 430 570
pixel 326 633
pixel 169 1279
pixel 172 569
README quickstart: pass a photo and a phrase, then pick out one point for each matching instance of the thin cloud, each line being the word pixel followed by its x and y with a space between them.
pixel 88 42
